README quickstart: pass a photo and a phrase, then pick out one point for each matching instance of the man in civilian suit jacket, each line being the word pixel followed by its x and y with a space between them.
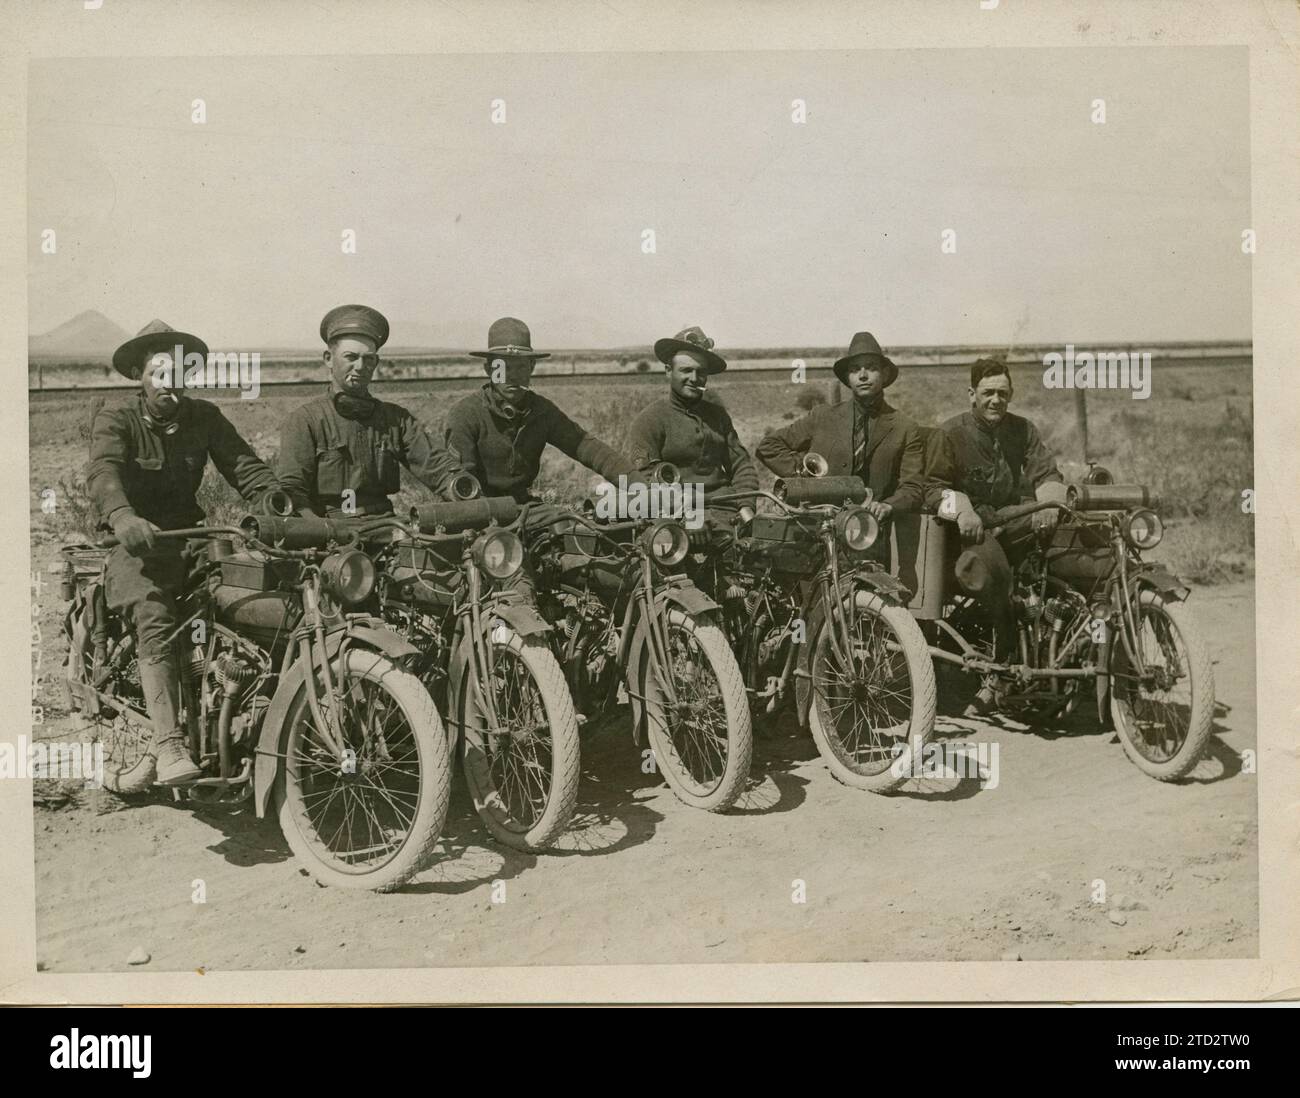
pixel 864 436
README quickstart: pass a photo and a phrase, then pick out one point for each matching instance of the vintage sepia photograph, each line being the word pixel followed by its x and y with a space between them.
pixel 647 507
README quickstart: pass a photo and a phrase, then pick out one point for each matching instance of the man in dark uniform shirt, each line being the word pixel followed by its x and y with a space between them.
pixel 341 453
pixel 500 432
pixel 147 459
pixel 693 433
pixel 1000 462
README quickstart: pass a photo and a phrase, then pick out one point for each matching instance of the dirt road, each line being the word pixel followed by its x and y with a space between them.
pixel 944 870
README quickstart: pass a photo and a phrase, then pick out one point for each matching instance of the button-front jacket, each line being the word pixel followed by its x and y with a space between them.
pixel 502 446
pixel 325 452
pixel 696 436
pixel 135 464
pixel 998 466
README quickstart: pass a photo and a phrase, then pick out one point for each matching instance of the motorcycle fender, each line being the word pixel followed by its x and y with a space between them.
pixel 271 739
pixel 686 595
pixel 395 647
pixel 882 583
pixel 1163 581
pixel 521 616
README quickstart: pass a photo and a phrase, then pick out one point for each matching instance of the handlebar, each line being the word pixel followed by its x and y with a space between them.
pixel 211 532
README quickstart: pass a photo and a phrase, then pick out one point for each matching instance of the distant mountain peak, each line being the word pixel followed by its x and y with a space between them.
pixel 89 334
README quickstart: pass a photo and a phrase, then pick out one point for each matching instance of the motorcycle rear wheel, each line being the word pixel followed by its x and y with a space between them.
pixel 376 826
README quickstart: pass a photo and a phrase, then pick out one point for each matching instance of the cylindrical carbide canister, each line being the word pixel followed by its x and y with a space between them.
pixel 1110 497
pixel 293 533
pixel 797 490
pixel 469 515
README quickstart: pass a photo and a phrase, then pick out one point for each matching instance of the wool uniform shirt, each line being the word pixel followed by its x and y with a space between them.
pixel 133 464
pixel 325 452
pixel 699 438
pixel 502 445
pixel 998 466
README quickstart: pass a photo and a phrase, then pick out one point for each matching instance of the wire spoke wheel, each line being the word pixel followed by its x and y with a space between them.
pixel 1163 709
pixel 523 771
pixel 129 765
pixel 699 731
pixel 371 818
pixel 876 702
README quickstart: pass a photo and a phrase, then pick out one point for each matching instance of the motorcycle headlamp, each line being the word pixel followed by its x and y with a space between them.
pixel 348 576
pixel 500 554
pixel 1143 529
pixel 857 528
pixel 668 544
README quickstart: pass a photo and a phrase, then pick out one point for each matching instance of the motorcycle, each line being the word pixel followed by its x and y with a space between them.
pixel 804 607
pixel 289 698
pixel 624 614
pixel 1088 609
pixel 485 656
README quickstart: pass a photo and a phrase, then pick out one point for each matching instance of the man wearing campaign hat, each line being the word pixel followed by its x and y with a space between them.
pixel 499 432
pixel 147 459
pixel 684 428
pixel 864 436
pixel 340 454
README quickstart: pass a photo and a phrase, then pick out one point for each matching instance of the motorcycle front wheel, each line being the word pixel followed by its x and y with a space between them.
pixel 704 742
pixel 373 819
pixel 872 714
pixel 522 774
pixel 1164 719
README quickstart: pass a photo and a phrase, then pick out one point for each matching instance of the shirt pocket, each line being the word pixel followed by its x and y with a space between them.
pixel 333 469
pixel 389 470
pixel 148 472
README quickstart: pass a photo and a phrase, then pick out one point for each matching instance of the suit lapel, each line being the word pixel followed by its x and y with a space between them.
pixel 878 430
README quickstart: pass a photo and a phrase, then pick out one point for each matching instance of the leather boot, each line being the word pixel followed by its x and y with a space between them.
pixel 161 688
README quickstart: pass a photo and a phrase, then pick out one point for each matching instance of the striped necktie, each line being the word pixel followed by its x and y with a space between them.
pixel 859 441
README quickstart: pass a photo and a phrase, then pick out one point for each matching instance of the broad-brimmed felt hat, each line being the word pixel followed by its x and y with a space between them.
pixel 154 338
pixel 696 342
pixel 863 348
pixel 359 320
pixel 510 338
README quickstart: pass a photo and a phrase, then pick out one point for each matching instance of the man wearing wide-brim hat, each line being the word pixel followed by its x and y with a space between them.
pixel 864 436
pixel 147 459
pixel 500 432
pixel 687 429
pixel 342 453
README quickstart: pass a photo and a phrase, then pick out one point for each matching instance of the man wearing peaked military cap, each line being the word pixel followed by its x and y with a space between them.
pixel 147 460
pixel 340 453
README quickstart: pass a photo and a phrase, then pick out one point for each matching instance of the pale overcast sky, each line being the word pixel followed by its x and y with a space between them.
pixel 768 233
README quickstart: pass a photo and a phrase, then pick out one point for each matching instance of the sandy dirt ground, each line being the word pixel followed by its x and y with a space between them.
pixel 944 870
